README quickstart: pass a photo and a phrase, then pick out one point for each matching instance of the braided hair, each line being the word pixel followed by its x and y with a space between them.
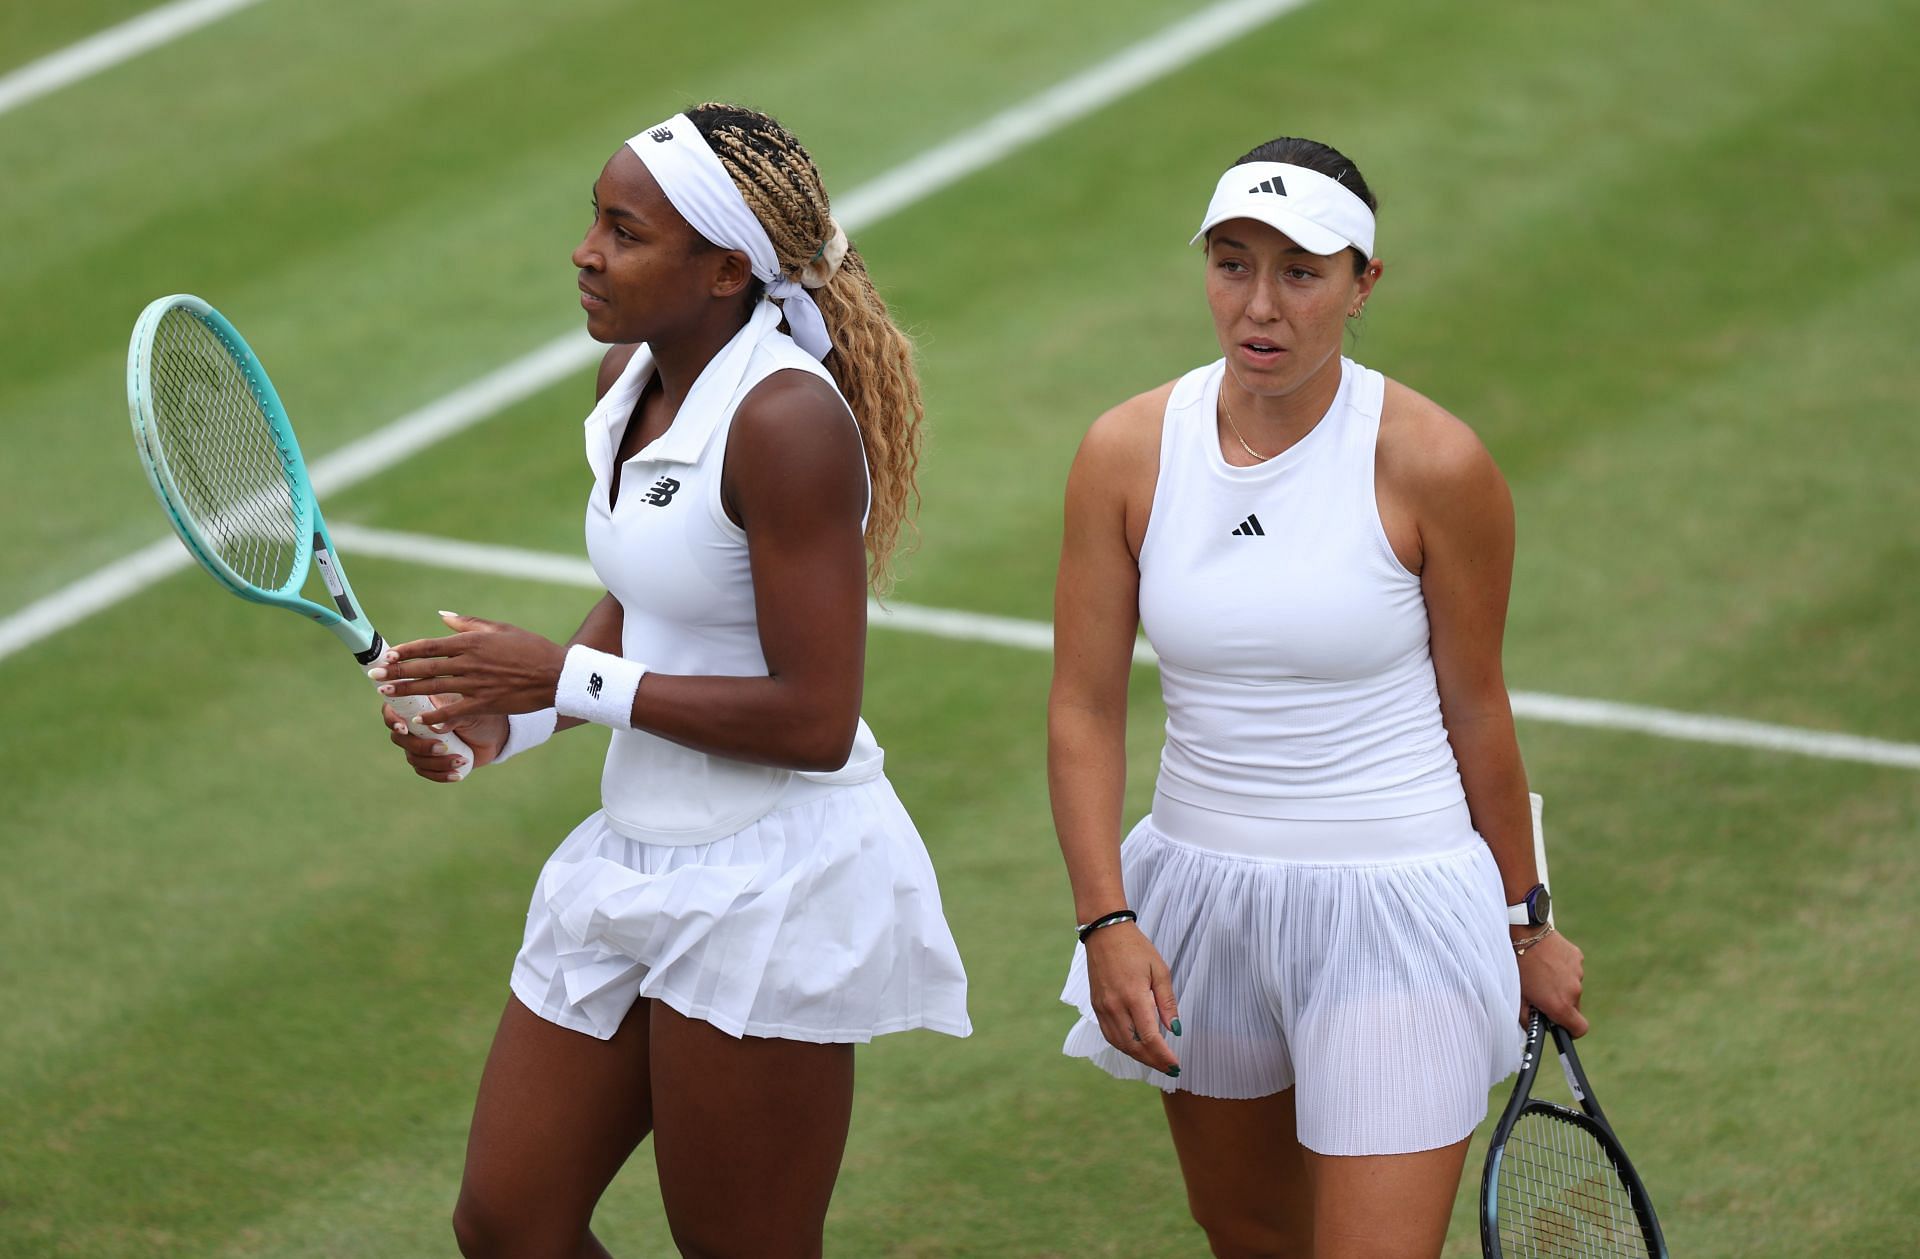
pixel 871 360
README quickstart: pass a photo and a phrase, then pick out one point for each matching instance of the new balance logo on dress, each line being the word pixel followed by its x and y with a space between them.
pixel 1250 528
pixel 663 491
pixel 1270 185
pixel 660 135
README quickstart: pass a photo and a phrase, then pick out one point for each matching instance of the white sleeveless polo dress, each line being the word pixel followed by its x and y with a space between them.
pixel 1309 871
pixel 767 902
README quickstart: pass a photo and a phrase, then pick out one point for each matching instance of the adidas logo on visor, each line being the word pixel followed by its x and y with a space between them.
pixel 660 135
pixel 1270 185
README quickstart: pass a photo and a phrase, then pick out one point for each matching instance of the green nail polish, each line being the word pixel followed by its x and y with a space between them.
pixel 1174 1072
pixel 1174 1027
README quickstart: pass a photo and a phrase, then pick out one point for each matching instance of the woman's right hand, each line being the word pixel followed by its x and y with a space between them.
pixel 485 735
pixel 1132 994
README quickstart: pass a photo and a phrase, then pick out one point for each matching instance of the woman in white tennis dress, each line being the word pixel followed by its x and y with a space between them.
pixel 702 954
pixel 1310 943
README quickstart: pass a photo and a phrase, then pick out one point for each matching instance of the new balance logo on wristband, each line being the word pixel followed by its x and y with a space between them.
pixel 660 135
pixel 1250 528
pixel 594 684
pixel 663 491
pixel 1270 185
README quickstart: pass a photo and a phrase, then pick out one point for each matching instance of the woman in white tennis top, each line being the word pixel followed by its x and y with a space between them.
pixel 702 954
pixel 1308 943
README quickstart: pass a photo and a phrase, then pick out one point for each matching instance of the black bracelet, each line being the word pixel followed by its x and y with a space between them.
pixel 1106 920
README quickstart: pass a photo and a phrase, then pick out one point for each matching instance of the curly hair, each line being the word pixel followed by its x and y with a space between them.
pixel 872 359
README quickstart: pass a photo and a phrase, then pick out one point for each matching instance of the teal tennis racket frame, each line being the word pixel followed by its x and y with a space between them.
pixel 345 619
pixel 312 544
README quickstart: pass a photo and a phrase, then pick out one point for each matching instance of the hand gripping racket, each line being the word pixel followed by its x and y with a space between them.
pixel 221 455
pixel 1557 1181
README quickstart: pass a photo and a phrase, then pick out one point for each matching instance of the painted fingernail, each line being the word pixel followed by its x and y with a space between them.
pixel 378 675
pixel 440 728
pixel 399 727
pixel 387 689
pixel 392 656
pixel 459 760
pixel 1174 1027
pixel 1174 1072
pixel 439 749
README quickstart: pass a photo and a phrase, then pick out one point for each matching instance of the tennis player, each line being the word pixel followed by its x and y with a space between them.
pixel 751 900
pixel 1317 942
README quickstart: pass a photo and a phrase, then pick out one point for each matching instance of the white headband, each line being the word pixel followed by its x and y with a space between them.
pixel 1321 215
pixel 706 197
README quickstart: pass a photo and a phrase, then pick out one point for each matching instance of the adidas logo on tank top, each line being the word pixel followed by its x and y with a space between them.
pixel 1250 528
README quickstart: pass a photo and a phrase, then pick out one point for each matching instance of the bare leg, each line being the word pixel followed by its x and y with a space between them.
pixel 558 1113
pixel 1384 1206
pixel 748 1135
pixel 1247 1175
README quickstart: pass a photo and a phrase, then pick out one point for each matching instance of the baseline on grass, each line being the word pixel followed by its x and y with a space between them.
pixel 1558 1183
pixel 221 456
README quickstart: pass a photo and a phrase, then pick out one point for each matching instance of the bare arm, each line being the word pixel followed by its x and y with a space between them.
pixel 795 479
pixel 1096 613
pixel 1464 515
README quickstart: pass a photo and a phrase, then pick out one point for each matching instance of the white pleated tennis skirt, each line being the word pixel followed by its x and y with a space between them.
pixel 1366 965
pixel 820 922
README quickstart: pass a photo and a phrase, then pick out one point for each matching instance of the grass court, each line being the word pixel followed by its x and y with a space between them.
pixel 1661 257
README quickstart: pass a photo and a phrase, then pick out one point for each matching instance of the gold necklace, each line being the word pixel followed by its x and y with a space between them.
pixel 1228 412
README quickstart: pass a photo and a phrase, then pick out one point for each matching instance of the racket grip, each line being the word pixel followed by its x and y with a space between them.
pixel 410 707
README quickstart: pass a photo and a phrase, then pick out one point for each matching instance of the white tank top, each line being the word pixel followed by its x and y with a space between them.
pixel 668 552
pixel 1292 641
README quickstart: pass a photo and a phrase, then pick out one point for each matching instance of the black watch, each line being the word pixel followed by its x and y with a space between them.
pixel 1534 908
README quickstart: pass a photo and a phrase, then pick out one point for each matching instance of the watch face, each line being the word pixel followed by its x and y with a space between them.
pixel 1539 905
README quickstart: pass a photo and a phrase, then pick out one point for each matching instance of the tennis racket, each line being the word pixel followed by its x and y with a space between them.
pixel 1558 1184
pixel 222 458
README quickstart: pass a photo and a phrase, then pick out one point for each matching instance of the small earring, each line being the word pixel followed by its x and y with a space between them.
pixel 1355 312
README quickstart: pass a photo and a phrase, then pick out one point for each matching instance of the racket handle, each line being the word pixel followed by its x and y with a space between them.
pixel 410 707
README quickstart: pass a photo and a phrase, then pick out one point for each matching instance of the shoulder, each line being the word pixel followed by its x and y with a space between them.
pixel 792 405
pixel 1428 453
pixel 794 429
pixel 612 363
pixel 1126 439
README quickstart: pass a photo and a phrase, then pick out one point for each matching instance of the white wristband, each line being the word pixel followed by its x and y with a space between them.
pixel 598 687
pixel 524 731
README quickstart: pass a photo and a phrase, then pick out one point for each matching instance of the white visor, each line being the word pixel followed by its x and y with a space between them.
pixel 1321 215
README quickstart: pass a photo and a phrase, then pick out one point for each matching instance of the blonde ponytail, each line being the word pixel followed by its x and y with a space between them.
pixel 872 360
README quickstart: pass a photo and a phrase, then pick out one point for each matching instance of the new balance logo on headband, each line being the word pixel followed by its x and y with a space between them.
pixel 660 135
pixel 1250 528
pixel 1270 185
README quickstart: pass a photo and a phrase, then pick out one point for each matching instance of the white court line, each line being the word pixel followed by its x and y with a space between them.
pixel 111 47
pixel 938 168
pixel 1006 631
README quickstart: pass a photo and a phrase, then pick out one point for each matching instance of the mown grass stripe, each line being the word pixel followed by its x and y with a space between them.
pixel 1008 631
pixel 1128 70
pixel 111 47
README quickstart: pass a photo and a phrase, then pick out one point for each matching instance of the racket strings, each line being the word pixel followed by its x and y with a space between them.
pixel 1560 1196
pixel 219 450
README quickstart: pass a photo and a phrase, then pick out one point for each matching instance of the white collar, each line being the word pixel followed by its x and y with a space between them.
pixel 706 404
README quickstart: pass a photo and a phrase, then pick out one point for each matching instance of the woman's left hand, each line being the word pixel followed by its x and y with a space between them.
pixel 493 667
pixel 1550 980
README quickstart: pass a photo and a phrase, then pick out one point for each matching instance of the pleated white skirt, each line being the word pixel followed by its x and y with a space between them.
pixel 820 922
pixel 1369 969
